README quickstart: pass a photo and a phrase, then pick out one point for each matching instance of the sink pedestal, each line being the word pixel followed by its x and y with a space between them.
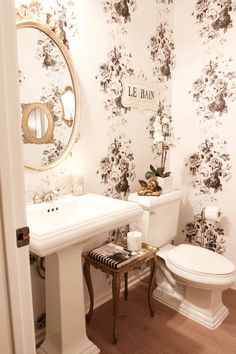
pixel 59 231
pixel 65 321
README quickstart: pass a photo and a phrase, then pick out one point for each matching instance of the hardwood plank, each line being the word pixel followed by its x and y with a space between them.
pixel 166 333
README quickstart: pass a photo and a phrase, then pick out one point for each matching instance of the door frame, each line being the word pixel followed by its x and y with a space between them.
pixel 16 281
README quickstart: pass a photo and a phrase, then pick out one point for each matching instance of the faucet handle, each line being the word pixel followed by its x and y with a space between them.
pixel 37 198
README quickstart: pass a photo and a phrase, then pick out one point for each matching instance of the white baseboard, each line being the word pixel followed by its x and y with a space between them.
pixel 233 287
pixel 134 279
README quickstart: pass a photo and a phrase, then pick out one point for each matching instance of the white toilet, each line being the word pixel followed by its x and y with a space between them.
pixel 190 279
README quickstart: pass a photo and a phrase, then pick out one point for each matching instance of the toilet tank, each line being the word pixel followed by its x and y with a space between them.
pixel 160 217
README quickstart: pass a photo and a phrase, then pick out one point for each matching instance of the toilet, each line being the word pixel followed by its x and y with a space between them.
pixel 190 279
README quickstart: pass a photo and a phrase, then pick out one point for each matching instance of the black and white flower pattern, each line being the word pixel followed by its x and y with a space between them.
pixel 202 232
pixel 166 2
pixel 59 16
pixel 161 49
pixel 119 10
pixel 117 168
pixel 214 18
pixel 110 79
pixel 53 152
pixel 209 167
pixel 214 90
pixel 48 54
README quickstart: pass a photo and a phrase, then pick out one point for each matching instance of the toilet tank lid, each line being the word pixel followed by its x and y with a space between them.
pixel 153 202
pixel 199 260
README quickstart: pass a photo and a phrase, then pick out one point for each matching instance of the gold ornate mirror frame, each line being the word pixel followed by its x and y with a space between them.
pixel 27 109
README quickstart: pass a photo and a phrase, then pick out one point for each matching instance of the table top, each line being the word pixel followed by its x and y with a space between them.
pixel 135 263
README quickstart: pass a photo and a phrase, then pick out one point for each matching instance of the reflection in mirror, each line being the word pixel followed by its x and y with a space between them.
pixel 37 123
pixel 68 105
pixel 49 96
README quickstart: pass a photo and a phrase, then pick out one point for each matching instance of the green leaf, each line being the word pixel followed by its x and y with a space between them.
pixel 167 174
pixel 160 171
pixel 149 174
pixel 152 169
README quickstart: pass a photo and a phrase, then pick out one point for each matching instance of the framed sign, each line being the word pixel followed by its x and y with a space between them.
pixel 139 93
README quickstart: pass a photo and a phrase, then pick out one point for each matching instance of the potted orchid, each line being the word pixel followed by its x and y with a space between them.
pixel 159 171
pixel 162 140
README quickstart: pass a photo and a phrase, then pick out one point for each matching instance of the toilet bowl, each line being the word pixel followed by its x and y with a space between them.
pixel 190 279
pixel 198 278
pixel 201 267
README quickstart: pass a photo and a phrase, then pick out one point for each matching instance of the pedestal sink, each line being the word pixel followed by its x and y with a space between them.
pixel 59 230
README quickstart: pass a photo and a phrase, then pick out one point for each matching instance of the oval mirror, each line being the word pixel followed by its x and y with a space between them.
pixel 49 96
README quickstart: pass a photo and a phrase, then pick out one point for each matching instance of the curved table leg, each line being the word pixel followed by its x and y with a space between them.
pixel 150 285
pixel 126 286
pixel 87 276
pixel 116 295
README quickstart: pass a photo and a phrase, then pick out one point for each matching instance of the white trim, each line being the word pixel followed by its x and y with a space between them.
pixel 133 280
pixel 5 324
pixel 233 287
pixel 12 188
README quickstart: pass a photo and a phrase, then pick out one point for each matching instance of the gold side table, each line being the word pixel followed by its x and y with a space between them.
pixel 116 280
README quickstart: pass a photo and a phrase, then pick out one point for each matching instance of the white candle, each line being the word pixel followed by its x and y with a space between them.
pixel 134 240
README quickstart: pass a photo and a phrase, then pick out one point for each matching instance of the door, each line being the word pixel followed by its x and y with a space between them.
pixel 16 322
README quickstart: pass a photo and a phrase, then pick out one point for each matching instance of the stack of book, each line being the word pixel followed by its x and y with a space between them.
pixel 114 255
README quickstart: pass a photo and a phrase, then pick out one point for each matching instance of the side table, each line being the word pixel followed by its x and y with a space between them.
pixel 116 280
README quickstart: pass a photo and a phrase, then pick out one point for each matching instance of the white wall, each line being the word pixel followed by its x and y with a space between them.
pixel 203 108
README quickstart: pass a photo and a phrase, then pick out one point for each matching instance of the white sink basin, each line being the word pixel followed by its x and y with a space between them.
pixel 59 230
pixel 75 219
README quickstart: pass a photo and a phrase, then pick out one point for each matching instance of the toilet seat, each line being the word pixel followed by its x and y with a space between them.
pixel 200 265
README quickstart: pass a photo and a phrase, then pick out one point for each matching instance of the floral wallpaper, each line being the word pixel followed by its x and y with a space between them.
pixel 117 168
pixel 59 16
pixel 201 232
pixel 214 18
pixel 214 89
pixel 48 55
pixel 119 11
pixel 161 49
pixel 110 75
pixel 209 167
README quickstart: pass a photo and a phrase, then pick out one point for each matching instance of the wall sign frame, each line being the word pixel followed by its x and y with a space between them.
pixel 139 92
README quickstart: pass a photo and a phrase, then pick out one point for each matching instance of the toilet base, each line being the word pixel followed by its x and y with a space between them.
pixel 202 306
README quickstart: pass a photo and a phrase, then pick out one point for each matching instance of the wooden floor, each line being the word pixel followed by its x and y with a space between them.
pixel 167 333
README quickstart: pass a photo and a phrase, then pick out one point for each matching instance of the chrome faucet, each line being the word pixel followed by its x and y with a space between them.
pixel 49 196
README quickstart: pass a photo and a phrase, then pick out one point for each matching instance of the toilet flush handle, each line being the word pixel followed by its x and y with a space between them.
pixel 151 211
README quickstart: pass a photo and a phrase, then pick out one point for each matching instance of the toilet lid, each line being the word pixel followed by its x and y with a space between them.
pixel 199 260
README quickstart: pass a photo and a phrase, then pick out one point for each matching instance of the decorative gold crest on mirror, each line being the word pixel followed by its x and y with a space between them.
pixel 49 96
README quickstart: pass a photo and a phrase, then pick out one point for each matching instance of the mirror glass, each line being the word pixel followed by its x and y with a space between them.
pixel 48 94
pixel 38 123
